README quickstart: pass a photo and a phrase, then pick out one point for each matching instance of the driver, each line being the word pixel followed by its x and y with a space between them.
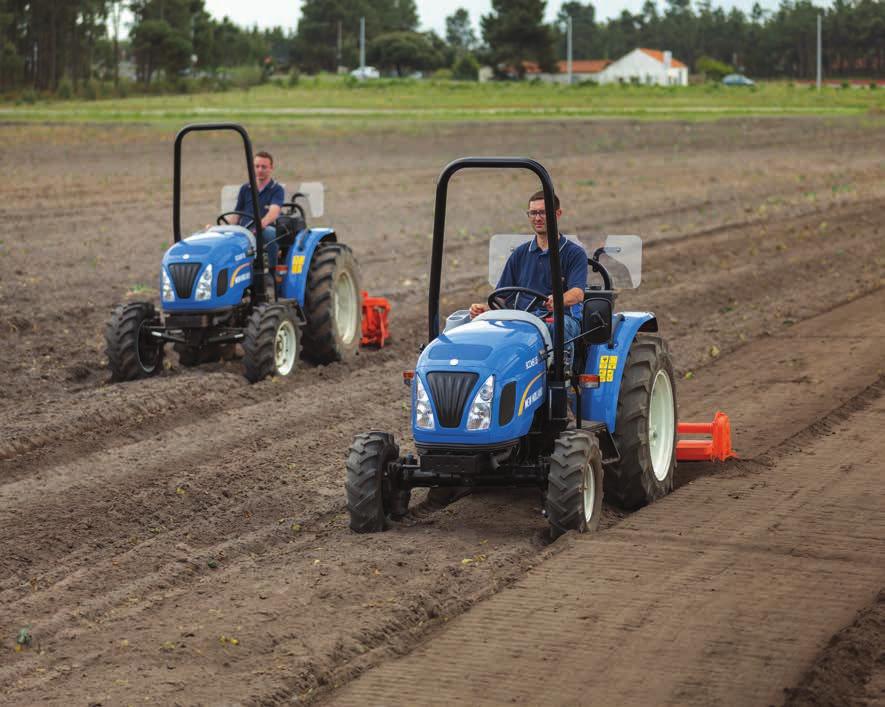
pixel 529 266
pixel 271 196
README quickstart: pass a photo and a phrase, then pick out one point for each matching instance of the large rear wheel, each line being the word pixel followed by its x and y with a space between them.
pixel 369 497
pixel 574 484
pixel 645 427
pixel 131 349
pixel 332 304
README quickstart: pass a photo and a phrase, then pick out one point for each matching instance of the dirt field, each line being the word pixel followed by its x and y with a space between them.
pixel 184 539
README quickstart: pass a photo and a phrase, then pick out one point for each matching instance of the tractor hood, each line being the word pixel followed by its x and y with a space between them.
pixel 228 250
pixel 454 367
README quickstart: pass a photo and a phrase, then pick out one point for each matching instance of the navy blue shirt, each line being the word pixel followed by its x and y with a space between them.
pixel 529 266
pixel 272 193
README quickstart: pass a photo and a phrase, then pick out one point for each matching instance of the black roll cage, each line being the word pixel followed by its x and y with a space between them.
pixel 258 279
pixel 557 377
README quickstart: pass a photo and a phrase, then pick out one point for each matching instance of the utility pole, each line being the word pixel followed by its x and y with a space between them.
pixel 819 47
pixel 568 43
pixel 362 44
pixel 338 54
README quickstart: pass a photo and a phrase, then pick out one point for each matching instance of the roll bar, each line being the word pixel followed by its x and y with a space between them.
pixel 258 276
pixel 439 225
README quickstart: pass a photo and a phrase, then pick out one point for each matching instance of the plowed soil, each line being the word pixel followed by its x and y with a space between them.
pixel 184 540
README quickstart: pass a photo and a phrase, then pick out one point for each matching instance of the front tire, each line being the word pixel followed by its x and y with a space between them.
pixel 645 427
pixel 271 343
pixel 368 495
pixel 574 484
pixel 332 305
pixel 132 352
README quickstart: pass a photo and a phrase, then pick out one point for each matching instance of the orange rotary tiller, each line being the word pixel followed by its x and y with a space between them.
pixel 716 446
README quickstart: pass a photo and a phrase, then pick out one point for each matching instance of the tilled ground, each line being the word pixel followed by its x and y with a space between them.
pixel 184 538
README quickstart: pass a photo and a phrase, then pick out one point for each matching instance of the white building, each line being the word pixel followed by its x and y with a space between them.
pixel 645 66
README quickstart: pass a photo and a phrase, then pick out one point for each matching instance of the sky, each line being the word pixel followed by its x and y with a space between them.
pixel 432 13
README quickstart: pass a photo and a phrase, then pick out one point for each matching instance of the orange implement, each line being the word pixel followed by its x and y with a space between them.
pixel 717 448
pixel 375 311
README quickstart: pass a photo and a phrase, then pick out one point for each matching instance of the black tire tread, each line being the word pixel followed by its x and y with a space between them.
pixel 631 482
pixel 572 451
pixel 121 338
pixel 363 484
pixel 321 343
pixel 258 340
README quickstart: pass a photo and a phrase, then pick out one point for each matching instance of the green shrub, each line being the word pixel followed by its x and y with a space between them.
pixel 713 69
pixel 244 77
pixel 845 84
pixel 65 90
pixel 29 95
pixel 873 85
pixel 294 76
pixel 443 75
pixel 90 90
pixel 466 68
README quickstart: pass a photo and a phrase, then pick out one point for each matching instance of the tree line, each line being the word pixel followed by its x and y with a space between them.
pixel 46 42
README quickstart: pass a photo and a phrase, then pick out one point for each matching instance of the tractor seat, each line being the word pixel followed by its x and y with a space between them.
pixel 517 315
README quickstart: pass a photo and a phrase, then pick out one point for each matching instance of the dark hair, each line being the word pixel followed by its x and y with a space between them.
pixel 539 196
pixel 265 155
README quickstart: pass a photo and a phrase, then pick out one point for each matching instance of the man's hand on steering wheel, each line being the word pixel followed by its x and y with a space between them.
pixel 498 298
pixel 250 219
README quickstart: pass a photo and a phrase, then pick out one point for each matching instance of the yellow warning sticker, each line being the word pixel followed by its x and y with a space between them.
pixel 607 367
pixel 297 264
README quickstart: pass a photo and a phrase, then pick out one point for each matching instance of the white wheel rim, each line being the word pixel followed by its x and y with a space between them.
pixel 345 304
pixel 285 348
pixel 589 492
pixel 661 425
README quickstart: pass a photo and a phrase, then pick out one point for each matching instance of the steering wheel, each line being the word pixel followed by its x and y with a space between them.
pixel 242 214
pixel 497 299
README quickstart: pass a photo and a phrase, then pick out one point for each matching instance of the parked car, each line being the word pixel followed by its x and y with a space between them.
pixel 737 80
pixel 366 72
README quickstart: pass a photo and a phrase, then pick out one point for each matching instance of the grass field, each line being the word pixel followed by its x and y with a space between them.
pixel 334 101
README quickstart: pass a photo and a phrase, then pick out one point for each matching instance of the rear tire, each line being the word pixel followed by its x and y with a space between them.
pixel 332 305
pixel 645 427
pixel 271 342
pixel 366 484
pixel 132 352
pixel 574 484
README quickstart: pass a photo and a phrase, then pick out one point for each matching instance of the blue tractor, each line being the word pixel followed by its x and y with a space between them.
pixel 491 400
pixel 216 290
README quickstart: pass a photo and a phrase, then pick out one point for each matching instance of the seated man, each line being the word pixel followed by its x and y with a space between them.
pixel 270 201
pixel 529 266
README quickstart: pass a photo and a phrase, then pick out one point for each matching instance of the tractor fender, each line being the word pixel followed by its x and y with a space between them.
pixel 609 362
pixel 298 261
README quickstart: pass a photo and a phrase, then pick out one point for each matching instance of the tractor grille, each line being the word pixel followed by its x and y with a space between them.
pixel 449 391
pixel 183 277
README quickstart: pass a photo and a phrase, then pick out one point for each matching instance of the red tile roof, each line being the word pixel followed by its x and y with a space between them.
pixel 579 66
pixel 659 56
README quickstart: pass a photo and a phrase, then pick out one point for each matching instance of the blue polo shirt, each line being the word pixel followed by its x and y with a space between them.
pixel 529 266
pixel 272 193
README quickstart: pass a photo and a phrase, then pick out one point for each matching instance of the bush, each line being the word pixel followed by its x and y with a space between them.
pixel 873 85
pixel 90 90
pixel 443 75
pixel 294 76
pixel 713 69
pixel 123 89
pixel 65 90
pixel 244 77
pixel 845 84
pixel 466 68
pixel 29 96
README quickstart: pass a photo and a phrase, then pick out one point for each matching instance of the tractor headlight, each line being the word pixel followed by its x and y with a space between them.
pixel 168 292
pixel 423 411
pixel 480 415
pixel 204 286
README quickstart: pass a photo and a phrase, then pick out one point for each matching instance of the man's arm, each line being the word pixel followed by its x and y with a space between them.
pixel 575 276
pixel 506 280
pixel 277 197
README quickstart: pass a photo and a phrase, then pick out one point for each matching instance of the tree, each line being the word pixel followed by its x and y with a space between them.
pixel 583 28
pixel 403 51
pixel 459 31
pixel 515 32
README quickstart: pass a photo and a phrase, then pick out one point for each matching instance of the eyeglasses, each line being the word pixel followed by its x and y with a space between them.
pixel 536 214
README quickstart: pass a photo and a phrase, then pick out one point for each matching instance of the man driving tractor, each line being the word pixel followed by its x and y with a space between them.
pixel 271 196
pixel 529 266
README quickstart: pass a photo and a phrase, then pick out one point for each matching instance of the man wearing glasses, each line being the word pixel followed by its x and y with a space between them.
pixel 529 266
